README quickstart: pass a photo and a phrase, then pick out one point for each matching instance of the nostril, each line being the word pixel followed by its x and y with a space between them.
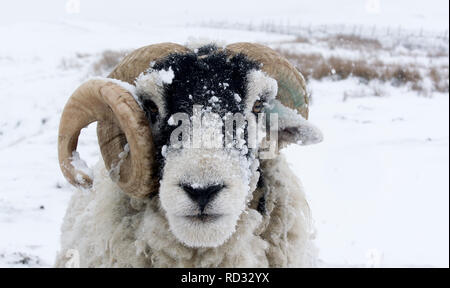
pixel 213 189
pixel 202 195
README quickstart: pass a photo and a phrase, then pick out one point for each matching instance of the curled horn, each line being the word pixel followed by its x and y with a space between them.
pixel 291 84
pixel 120 121
pixel 103 101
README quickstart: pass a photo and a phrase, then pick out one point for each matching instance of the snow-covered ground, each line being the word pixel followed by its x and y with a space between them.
pixel 378 185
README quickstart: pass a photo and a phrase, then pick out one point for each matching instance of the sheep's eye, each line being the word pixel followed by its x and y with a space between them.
pixel 152 108
pixel 258 106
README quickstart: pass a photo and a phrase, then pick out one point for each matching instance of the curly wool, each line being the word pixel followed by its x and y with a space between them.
pixel 110 229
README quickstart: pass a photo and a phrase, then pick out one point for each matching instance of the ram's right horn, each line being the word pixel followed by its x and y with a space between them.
pixel 121 122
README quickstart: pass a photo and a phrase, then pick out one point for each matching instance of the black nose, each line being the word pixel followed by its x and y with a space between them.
pixel 202 195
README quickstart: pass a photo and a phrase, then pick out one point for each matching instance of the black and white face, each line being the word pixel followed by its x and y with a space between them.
pixel 205 181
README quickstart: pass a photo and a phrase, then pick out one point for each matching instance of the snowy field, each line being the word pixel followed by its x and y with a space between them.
pixel 378 185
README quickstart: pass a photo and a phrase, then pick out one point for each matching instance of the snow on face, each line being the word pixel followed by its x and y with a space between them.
pixel 217 86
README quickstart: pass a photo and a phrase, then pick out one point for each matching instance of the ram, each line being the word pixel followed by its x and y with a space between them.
pixel 163 196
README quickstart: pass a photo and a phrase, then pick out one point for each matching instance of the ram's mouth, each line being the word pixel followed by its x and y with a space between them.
pixel 203 217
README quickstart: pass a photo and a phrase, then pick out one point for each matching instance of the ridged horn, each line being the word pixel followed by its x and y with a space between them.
pixel 140 60
pixel 291 84
pixel 104 101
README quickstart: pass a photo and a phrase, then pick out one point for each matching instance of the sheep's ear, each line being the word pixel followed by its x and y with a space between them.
pixel 293 128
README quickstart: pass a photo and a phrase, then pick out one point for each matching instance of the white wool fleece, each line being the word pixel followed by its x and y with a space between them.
pixel 109 229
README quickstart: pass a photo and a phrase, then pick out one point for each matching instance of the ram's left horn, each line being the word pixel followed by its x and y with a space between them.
pixel 123 122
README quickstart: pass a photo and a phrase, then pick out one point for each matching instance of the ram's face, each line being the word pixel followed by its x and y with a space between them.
pixel 205 177
pixel 205 109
